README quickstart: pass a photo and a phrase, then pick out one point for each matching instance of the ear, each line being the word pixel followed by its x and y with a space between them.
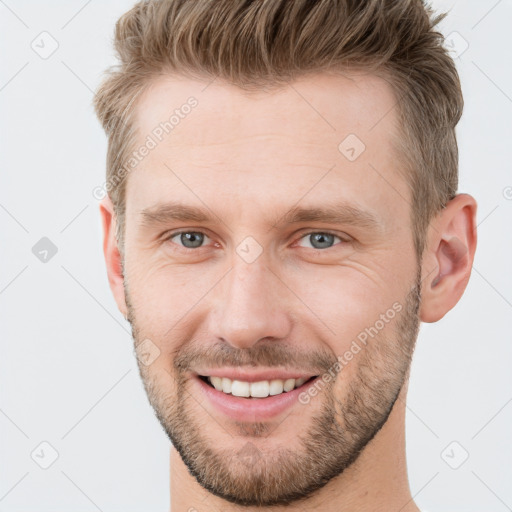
pixel 448 257
pixel 112 254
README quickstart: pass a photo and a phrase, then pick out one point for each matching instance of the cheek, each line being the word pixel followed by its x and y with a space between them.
pixel 170 303
pixel 164 291
pixel 343 301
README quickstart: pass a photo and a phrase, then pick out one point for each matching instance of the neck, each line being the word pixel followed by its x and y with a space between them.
pixel 377 480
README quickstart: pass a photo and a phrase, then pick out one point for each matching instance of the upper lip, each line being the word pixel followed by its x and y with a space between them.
pixel 253 376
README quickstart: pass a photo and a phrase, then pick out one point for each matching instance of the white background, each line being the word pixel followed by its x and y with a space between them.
pixel 68 374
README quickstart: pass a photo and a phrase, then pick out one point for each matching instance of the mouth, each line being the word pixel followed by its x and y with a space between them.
pixel 255 390
pixel 247 397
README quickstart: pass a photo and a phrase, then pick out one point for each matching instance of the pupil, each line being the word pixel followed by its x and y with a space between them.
pixel 191 239
pixel 322 238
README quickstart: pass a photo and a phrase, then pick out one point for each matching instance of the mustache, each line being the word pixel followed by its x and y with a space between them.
pixel 265 353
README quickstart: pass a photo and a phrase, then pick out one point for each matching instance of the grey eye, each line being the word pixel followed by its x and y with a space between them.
pixel 190 239
pixel 320 240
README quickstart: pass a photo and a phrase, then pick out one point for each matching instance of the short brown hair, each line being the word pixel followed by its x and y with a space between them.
pixel 261 43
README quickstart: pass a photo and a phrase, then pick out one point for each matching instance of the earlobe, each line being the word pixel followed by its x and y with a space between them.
pixel 449 254
pixel 112 254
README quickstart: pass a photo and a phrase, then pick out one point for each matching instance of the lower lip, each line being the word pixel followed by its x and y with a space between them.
pixel 252 409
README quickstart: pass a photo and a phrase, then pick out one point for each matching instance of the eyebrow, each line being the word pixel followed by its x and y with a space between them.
pixel 341 213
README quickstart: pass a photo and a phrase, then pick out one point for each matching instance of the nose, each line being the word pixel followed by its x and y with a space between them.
pixel 251 304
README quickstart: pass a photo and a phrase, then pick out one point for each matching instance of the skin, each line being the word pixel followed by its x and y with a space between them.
pixel 249 159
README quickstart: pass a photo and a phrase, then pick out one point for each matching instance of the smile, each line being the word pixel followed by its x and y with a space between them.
pixel 260 389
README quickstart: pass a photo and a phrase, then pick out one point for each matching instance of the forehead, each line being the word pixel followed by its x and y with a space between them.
pixel 318 108
pixel 329 132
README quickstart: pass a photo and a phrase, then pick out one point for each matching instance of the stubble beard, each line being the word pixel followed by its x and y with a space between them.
pixel 337 435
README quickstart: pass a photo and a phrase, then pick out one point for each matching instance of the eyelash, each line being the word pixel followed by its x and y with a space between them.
pixel 169 236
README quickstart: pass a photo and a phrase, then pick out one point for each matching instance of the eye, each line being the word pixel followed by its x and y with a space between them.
pixel 320 239
pixel 196 239
pixel 188 239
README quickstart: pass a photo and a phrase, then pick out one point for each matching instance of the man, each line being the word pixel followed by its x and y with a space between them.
pixel 282 214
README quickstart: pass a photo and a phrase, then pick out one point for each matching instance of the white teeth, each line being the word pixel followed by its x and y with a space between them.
pixel 239 388
pixel 226 385
pixel 260 389
pixel 289 384
pixel 300 381
pixel 276 387
pixel 217 383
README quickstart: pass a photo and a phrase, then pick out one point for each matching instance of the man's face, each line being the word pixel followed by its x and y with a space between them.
pixel 252 289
